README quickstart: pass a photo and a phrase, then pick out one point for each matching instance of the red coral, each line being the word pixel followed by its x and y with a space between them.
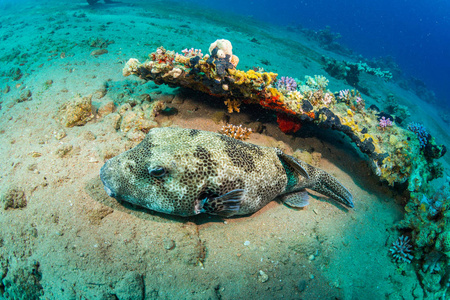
pixel 274 103
pixel 288 124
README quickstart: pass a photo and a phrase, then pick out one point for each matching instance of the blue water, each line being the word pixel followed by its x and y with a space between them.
pixel 415 33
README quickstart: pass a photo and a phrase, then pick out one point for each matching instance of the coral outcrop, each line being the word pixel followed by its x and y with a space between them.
pixel 350 71
pixel 395 160
pixel 427 215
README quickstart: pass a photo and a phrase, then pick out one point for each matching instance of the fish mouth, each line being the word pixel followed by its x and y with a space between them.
pixel 109 191
pixel 103 175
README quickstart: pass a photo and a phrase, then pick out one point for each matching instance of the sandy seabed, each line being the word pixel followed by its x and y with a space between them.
pixel 72 241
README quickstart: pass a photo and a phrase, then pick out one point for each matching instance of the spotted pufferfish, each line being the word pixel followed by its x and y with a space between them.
pixel 188 172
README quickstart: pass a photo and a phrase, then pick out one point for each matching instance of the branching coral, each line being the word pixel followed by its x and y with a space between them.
pixel 233 105
pixel 318 82
pixel 190 53
pixel 286 84
pixel 385 123
pixel 237 132
pixel 421 133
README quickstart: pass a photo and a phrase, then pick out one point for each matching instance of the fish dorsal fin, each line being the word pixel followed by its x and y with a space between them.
pixel 293 163
pixel 225 205
pixel 296 199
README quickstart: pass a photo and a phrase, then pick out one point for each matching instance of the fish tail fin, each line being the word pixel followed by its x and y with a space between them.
pixel 328 185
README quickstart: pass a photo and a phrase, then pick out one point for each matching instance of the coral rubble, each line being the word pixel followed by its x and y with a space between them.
pixel 76 112
pixel 397 159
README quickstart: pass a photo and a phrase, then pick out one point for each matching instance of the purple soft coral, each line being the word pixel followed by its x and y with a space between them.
pixel 287 83
pixel 385 122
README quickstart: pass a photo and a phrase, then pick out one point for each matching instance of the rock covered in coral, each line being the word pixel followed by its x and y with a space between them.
pixel 427 215
pixel 106 109
pixel 401 112
pixel 350 71
pixel 76 112
pixel 396 160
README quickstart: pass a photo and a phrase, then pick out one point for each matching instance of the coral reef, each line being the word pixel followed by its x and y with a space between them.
pixel 401 112
pixel 350 71
pixel 427 215
pixel 326 39
pixel 395 154
pixel 237 132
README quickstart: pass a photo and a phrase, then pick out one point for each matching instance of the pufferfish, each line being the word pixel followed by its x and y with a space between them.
pixel 187 172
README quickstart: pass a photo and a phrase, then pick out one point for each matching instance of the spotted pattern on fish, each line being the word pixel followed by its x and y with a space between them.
pixel 187 171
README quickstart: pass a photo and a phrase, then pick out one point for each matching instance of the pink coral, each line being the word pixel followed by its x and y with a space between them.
pixel 384 123
pixel 192 52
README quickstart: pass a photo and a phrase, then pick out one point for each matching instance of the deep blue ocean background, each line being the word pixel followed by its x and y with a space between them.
pixel 416 33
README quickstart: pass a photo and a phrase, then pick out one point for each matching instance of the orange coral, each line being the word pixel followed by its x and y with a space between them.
pixel 310 114
pixel 233 105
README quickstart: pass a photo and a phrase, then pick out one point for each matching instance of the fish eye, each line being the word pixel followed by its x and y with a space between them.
pixel 157 171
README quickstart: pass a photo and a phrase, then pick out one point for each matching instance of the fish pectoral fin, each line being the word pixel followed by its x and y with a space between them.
pixel 296 199
pixel 225 205
pixel 293 163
